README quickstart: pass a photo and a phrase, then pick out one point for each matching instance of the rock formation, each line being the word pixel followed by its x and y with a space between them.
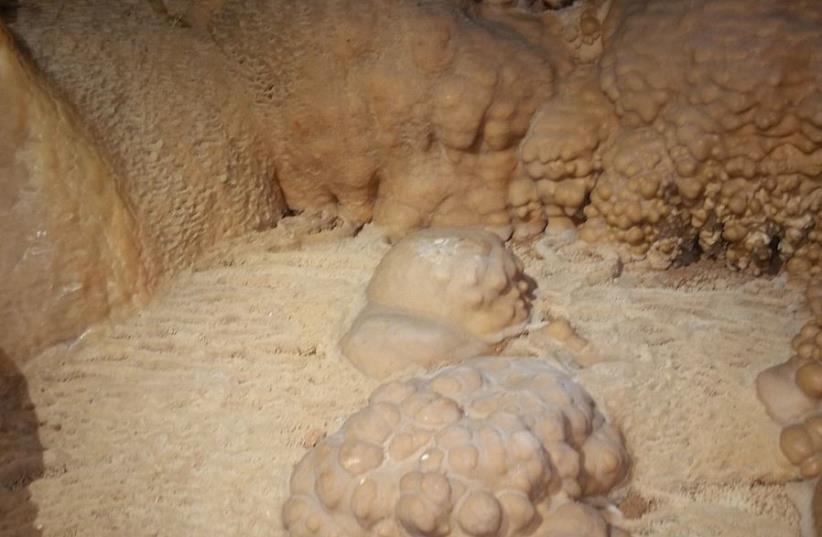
pixel 500 446
pixel 69 252
pixel 438 296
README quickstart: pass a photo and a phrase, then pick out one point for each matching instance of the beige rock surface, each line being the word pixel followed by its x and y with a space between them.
pixel 409 114
pixel 166 109
pixel 21 452
pixel 69 252
pixel 187 418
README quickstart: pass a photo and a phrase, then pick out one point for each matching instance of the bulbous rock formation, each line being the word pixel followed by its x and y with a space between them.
pixel 720 141
pixel 438 295
pixel 792 393
pixel 561 157
pixel 499 447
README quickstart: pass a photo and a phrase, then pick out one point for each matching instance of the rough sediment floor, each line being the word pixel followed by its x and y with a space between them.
pixel 186 418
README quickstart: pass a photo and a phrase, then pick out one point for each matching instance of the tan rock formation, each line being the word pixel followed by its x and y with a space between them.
pixel 792 393
pixel 167 110
pixel 502 446
pixel 438 296
pixel 719 102
pixel 69 252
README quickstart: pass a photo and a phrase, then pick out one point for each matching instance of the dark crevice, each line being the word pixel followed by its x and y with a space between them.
pixel 579 218
pixel 161 10
pixel 689 253
pixel 774 263
pixel 21 453
pixel 8 15
pixel 8 10
pixel 539 5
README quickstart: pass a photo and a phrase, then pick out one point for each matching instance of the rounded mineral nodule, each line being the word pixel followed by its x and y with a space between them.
pixel 495 447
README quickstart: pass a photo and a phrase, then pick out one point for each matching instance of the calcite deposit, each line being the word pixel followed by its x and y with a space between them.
pixel 500 446
pixel 792 393
pixel 438 296
pixel 720 131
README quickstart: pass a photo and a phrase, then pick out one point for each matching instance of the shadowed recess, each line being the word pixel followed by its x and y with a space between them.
pixel 21 454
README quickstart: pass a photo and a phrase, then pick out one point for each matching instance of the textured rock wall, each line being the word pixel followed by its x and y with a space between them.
pixel 674 128
pixel 168 111
pixel 720 141
pixel 671 127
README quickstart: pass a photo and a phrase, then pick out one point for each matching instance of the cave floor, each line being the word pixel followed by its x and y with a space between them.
pixel 186 417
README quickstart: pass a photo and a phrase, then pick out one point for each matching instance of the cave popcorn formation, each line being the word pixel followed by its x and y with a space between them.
pixel 792 393
pixel 438 296
pixel 720 125
pixel 495 447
